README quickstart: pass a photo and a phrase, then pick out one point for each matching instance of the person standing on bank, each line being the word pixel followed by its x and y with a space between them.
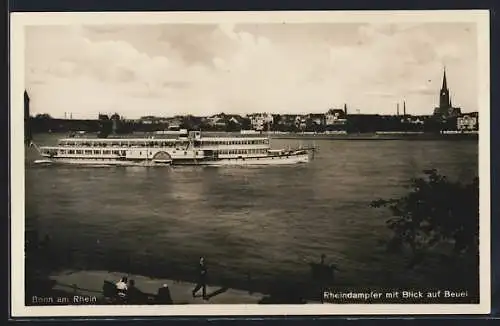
pixel 202 279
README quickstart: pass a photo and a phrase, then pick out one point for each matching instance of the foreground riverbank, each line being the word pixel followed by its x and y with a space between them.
pixel 86 287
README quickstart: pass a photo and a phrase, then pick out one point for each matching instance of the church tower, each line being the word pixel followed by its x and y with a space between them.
pixel 27 124
pixel 444 95
pixel 445 109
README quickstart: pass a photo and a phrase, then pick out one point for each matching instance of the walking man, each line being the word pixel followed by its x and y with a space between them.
pixel 202 279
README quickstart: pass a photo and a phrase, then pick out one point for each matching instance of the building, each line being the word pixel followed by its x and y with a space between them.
pixel 468 122
pixel 217 120
pixel 445 109
pixel 261 121
pixel 335 117
pixel 317 119
pixel 300 122
pixel 173 123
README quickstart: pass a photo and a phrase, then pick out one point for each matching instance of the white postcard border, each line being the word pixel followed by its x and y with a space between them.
pixel 17 43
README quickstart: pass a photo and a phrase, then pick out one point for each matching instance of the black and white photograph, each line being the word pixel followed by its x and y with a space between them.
pixel 250 163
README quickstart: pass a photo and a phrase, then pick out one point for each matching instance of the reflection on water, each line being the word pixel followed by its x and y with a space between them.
pixel 266 221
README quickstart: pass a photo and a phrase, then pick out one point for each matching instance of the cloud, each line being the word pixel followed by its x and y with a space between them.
pixel 204 69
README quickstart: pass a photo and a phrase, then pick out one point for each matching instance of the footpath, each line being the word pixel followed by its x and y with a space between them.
pixel 89 284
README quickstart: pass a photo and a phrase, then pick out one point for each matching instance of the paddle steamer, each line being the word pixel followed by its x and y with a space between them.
pixel 185 149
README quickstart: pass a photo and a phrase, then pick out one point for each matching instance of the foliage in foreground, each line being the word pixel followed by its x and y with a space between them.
pixel 435 211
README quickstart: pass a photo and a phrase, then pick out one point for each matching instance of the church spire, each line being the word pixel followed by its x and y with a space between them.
pixel 444 101
pixel 445 86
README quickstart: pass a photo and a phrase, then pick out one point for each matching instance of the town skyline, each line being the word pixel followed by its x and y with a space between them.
pixel 242 69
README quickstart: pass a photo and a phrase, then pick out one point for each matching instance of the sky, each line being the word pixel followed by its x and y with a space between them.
pixel 203 69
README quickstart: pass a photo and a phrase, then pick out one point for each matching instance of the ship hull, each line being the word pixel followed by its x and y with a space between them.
pixel 102 162
pixel 246 161
pixel 250 161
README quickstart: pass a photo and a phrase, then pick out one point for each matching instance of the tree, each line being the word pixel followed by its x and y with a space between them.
pixel 435 211
pixel 246 124
pixel 105 126
pixel 44 116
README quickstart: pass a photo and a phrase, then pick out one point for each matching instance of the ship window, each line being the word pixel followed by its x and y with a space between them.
pixel 88 152
pixel 116 152
pixel 79 151
pixel 97 152
pixel 185 153
pixel 106 152
pixel 71 151
pixel 62 151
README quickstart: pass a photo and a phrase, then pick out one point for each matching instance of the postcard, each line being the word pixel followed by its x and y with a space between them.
pixel 250 163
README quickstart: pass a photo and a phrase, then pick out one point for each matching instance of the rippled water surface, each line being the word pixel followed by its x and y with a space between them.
pixel 266 222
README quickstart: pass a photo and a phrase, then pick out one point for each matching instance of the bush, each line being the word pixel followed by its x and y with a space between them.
pixel 435 211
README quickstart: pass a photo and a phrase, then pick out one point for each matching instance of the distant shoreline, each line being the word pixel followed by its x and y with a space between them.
pixel 371 136
pixel 378 137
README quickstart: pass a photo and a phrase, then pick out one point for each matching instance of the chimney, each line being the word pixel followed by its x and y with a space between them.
pixel 397 109
pixel 404 108
pixel 345 109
